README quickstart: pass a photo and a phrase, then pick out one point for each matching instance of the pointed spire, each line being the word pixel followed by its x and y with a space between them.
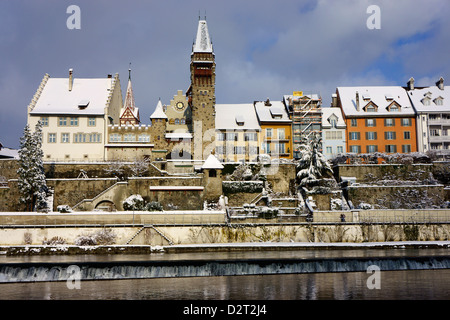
pixel 129 97
pixel 159 112
pixel 202 41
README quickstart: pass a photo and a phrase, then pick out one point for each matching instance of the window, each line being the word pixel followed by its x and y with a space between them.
pixel 426 102
pixel 114 137
pixel 406 122
pixel 353 122
pixel 62 121
pixel 144 137
pixel 177 121
pixel 406 148
pixel 220 150
pixel 371 108
pixel 333 122
pixel 95 137
pixel 52 138
pixel 232 136
pixel 371 123
pixel 281 133
pixel 279 147
pixel 389 135
pixel 372 135
pixel 252 150
pixel 266 147
pixel 250 136
pixel 389 122
pixel 435 132
pixel 129 137
pixel 182 121
pixel 65 138
pixel 340 149
pixel 44 121
pixel 91 122
pixel 438 101
pixel 355 136
pixel 220 136
pixel 371 148
pixel 79 137
pixel 355 149
pixel 73 121
pixel 212 173
pixel 390 148
pixel 406 135
pixel 268 133
pixel 329 150
pixel 239 150
pixel 394 108
pixel 333 135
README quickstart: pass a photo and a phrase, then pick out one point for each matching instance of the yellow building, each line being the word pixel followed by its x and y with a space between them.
pixel 276 129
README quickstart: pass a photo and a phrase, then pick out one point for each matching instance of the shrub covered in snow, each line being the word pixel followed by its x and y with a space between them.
pixel 64 208
pixel 154 206
pixel 364 206
pixel 267 212
pixel 242 186
pixel 101 237
pixel 54 241
pixel 134 202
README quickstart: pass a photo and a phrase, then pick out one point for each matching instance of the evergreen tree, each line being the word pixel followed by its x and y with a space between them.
pixel 312 164
pixel 32 185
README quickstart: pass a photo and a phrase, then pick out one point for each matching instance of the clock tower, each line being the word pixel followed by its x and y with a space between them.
pixel 201 93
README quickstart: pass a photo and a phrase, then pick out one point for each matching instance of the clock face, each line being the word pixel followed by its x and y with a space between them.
pixel 180 106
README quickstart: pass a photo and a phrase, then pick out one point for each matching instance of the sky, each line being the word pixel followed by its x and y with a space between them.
pixel 263 48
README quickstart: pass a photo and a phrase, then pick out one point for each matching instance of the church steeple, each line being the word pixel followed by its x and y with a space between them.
pixel 129 113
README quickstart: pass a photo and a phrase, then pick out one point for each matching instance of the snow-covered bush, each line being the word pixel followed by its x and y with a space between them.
pixel 101 237
pixel 64 208
pixel 242 186
pixel 54 241
pixel 267 212
pixel 134 202
pixel 364 206
pixel 154 206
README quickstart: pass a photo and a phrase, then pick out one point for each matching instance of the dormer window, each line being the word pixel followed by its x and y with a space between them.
pixel 394 107
pixel 276 113
pixel 240 120
pixel 371 107
pixel 426 101
pixel 83 104
pixel 333 121
pixel 439 101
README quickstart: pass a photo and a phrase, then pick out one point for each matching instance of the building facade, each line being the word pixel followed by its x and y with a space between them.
pixel 75 114
pixel 333 132
pixel 432 105
pixel 378 119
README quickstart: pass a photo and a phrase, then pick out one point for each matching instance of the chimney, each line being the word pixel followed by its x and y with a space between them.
pixel 410 83
pixel 334 100
pixel 70 79
pixel 440 83
pixel 357 101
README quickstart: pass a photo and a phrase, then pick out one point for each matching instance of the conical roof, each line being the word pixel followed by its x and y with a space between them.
pixel 202 41
pixel 212 163
pixel 159 112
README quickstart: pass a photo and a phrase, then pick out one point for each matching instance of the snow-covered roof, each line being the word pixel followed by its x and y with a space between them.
pixel 212 163
pixel 9 153
pixel 329 112
pixel 226 115
pixel 88 96
pixel 276 112
pixel 433 94
pixel 159 112
pixel 378 97
pixel 202 41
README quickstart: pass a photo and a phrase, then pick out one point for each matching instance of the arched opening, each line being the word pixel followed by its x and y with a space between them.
pixel 105 205
pixel 212 173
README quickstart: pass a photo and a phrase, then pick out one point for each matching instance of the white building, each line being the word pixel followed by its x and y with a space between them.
pixel 237 132
pixel 75 114
pixel 333 132
pixel 432 105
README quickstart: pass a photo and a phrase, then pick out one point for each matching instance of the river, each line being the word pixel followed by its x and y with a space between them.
pixel 393 285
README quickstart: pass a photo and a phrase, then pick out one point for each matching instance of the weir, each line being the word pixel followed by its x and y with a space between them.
pixel 115 270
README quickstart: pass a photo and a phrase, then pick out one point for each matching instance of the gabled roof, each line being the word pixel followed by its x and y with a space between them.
pixel 159 112
pixel 432 93
pixel 381 96
pixel 275 112
pixel 88 96
pixel 226 115
pixel 202 40
pixel 212 163
pixel 329 112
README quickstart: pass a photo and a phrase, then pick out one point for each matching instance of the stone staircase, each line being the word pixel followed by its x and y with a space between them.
pixel 162 235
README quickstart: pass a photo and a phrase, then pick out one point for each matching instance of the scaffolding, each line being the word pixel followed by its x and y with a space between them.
pixel 305 111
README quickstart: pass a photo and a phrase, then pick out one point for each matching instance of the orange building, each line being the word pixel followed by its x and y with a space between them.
pixel 378 119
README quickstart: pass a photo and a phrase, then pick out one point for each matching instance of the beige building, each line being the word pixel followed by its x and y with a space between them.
pixel 75 114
